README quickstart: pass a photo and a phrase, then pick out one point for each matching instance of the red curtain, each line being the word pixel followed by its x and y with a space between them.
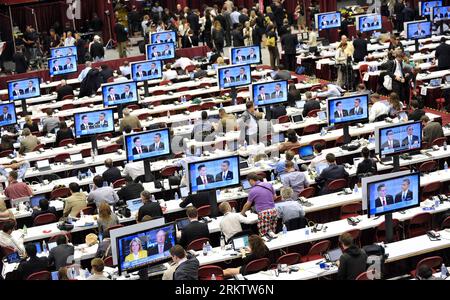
pixel 327 5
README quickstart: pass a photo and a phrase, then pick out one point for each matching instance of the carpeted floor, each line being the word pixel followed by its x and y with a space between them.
pixel 445 115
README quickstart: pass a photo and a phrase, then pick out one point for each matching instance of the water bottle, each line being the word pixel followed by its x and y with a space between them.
pixel 445 146
pixel 205 249
pixel 221 106
pixel 89 173
pixel 79 175
pixel 245 145
pixel 322 131
pixel 44 246
pixel 355 189
pixel 15 153
pixel 213 277
pixel 446 166
pixel 272 176
pixel 208 247
pixel 222 242
pixel 81 214
pixel 1 188
pixel 443 271
pixel 168 114
pixel 176 196
pixel 233 210
pixel 25 230
pixel 284 229
pixel 3 131
pixel 153 198
pixel 100 237
pixel 306 232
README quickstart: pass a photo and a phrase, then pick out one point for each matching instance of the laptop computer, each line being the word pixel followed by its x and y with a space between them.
pixel 100 169
pixel 322 115
pixel 184 191
pixel 38 247
pixel 245 185
pixel 134 204
pixel 34 201
pixel 297 118
pixel 278 138
pixel 77 159
pixel 436 82
pixel 320 167
pixel 240 242
pixel 13 258
pixel 300 104
pixel 43 165
pixel 181 223
pixel 55 275
pixel 447 79
pixel 243 165
pixel 306 152
pixel 51 245
pixel 333 255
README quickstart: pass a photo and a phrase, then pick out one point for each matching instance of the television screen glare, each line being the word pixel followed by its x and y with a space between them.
pixel 150 144
pixel 214 174
pixel 24 89
pixel 234 76
pixel 348 109
pixel 94 122
pixel 8 114
pixel 160 51
pixel 119 93
pixel 146 70
pixel 328 20
pixel 269 93
pixel 426 7
pixel 62 65
pixel 398 139
pixel 418 30
pixel 245 55
pixel 368 23
pixel 63 51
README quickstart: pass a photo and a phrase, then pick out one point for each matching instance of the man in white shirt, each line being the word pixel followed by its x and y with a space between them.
pixel 378 108
pixel 7 240
pixel 169 74
pixel 134 169
pixel 330 91
pixel 125 69
pixel 69 40
pixel 230 224
pixel 86 70
pixel 320 157
pixel 182 63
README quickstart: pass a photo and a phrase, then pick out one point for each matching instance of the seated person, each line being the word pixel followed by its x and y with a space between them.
pixel 102 193
pixel 294 179
pixel 131 190
pixel 28 142
pixel 368 166
pixel 426 273
pixel 280 167
pixel 20 167
pixel 332 172
pixel 44 208
pixel 292 141
pixel 7 240
pixel 289 208
pixel 5 213
pixel 150 208
pixel 187 264
pixel 197 200
pixel 50 122
pixel 106 217
pixel 194 230
pixel 379 108
pixel 416 114
pixel 230 224
pixel 275 112
pixel 311 104
pixel 63 133
pixel 319 158
pixel 112 174
pixel 104 247
pixel 257 249
pixel 17 189
pixel 75 202
pixel 330 91
pixel 62 255
pixel 98 266
pixel 31 265
pixel 202 128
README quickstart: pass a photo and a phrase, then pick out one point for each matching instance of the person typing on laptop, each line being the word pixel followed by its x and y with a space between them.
pixel 280 167
pixel 102 193
pixel 75 202
pixel 44 208
pixel 131 190
pixel 353 260
pixel 294 179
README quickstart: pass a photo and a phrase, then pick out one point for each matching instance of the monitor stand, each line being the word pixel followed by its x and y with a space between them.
pixel 389 228
pixel 213 202
pixel 146 93
pixel 94 144
pixel 148 171
pixel 233 95
pixel 347 136
pixel 417 45
pixel 24 107
pixel 120 111
pixel 155 269
pixel 396 163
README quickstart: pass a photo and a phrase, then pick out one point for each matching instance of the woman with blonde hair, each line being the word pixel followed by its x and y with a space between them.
pixel 395 105
pixel 30 124
pixel 218 36
pixel 5 213
pixel 248 34
pixel 106 218
pixel 136 250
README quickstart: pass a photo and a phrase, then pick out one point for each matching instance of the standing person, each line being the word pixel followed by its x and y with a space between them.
pixel 238 37
pixel 443 55
pixel 248 34
pixel 20 61
pixel 81 48
pixel 344 51
pixel 218 36
pixel 289 42
pixel 194 21
pixel 360 45
pixel 262 195
pixel 249 123
pixel 207 30
pixel 271 42
pixel 394 69
pixel 398 12
pixel 353 260
pixel 122 38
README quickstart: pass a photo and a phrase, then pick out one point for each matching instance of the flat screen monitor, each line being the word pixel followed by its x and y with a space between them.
pixel 93 122
pixel 62 65
pixel 418 29
pixel 149 144
pixel 328 20
pixel 349 109
pixel 441 13
pixel 8 114
pixel 426 7
pixel 63 51
pixel 366 23
pixel 163 37
pixel 145 248
pixel 24 88
pixel 119 93
pixel 246 55
pixel 146 70
pixel 160 51
pixel 214 174
pixel 269 93
pixel 234 76
pixel 399 138
pixel 391 193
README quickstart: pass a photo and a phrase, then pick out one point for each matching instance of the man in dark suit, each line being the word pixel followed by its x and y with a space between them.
pixel 360 45
pixel 169 38
pixel 228 78
pixel 132 190
pixel 166 51
pixel 239 57
pixel 112 96
pixel 365 24
pixel 155 53
pixel 162 244
pixel 138 148
pixel 332 172
pixel 204 178
pixel 159 39
pixel 311 104
pixel 56 66
pixel 197 200
pixel 153 70
pixel 5 116
pixel 391 143
pixel 252 55
pixel 325 23
pixel 334 20
pixel 443 55
pixel 127 93
pixel 106 73
pixel 411 140
pixel 194 230
pixel 394 69
pixel 357 109
pixel 68 65
pixel 340 112
pixel 85 124
pixel 102 122
pixel 31 89
pixel 226 174
pixel 383 199
pixel 157 145
pixel 112 173
pixel 406 194
pixel 289 42
pixel 190 40
pixel 16 91
pixel 150 208
pixel 32 265
pixel 263 96
pixel 64 90
pixel 242 76
pixel 416 113
pixel 140 73
pixel 278 93
pixel 420 32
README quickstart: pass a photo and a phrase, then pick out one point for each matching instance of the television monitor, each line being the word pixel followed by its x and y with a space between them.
pixel 214 174
pixel 426 7
pixel 269 93
pixel 146 70
pixel 349 109
pixel 145 248
pixel 24 88
pixel 119 93
pixel 399 138
pixel 93 122
pixel 163 37
pixel 418 29
pixel 328 20
pixel 366 23
pixel 441 13
pixel 62 65
pixel 245 55
pixel 149 144
pixel 234 76
pixel 63 51
pixel 8 114
pixel 160 51
pixel 392 192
